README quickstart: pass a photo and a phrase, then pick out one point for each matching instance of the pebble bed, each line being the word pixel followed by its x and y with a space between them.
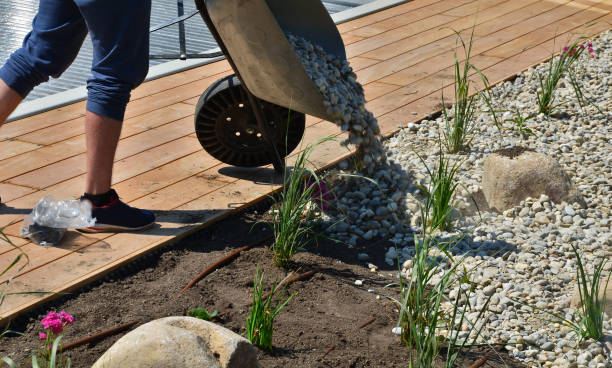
pixel 523 254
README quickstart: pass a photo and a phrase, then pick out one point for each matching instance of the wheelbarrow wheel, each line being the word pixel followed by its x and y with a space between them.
pixel 227 129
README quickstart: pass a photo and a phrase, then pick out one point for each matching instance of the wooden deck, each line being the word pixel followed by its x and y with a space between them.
pixel 403 57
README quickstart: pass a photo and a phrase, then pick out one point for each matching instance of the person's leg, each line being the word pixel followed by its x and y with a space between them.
pixel 58 31
pixel 9 100
pixel 102 135
pixel 120 34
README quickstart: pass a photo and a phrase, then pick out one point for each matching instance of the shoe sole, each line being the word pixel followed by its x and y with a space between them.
pixel 103 228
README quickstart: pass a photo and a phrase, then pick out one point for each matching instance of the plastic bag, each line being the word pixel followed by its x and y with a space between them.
pixel 49 219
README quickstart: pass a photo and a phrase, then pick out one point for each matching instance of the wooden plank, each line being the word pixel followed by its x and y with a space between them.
pixel 135 125
pixel 165 175
pixel 358 62
pixel 178 79
pixel 179 194
pixel 153 158
pixel 549 32
pixel 410 6
pixel 192 101
pixel 523 30
pixel 171 96
pixel 426 46
pixel 348 39
pixel 6 247
pixel 42 120
pixel 409 43
pixel 468 9
pixel 407 18
pixel 52 174
pixel 39 255
pixel 76 165
pixel 522 14
pixel 12 148
pixel 8 192
pixel 33 160
pixel 387 38
pixel 375 90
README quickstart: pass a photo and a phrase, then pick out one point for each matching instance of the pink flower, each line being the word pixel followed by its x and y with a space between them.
pixel 319 194
pixel 53 321
pixel 66 318
pixel 42 335
pixel 51 315
pixel 590 44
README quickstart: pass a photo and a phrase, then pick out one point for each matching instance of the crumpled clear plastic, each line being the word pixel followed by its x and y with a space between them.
pixel 49 219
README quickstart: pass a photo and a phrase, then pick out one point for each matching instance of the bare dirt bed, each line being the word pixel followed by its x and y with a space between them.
pixel 327 310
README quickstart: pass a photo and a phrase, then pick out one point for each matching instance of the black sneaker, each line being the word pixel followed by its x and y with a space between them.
pixel 117 216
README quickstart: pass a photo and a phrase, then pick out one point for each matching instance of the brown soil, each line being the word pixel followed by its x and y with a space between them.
pixel 327 310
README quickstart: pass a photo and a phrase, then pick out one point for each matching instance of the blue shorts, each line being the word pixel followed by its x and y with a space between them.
pixel 119 32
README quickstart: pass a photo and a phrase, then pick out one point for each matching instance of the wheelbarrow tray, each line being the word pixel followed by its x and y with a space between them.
pixel 253 32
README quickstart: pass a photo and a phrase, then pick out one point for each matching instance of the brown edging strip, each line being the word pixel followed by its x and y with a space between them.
pixel 329 350
pixel 221 262
pixel 288 281
pixel 366 322
pixel 482 360
pixel 99 335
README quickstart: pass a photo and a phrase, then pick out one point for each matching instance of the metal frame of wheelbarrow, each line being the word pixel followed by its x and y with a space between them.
pixel 277 161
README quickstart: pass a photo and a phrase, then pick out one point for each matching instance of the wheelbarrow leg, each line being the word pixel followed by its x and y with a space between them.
pixel 262 123
pixel 264 127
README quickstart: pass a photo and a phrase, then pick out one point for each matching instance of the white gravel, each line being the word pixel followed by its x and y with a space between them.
pixel 524 253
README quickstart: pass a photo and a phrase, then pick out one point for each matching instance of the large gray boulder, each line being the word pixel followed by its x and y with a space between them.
pixel 177 342
pixel 512 175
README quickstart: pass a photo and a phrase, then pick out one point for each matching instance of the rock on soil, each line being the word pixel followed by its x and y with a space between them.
pixel 174 342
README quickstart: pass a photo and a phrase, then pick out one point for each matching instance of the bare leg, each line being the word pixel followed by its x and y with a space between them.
pixel 102 135
pixel 9 100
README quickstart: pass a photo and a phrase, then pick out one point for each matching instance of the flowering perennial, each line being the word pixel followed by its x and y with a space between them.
pixel 576 50
pixel 319 194
pixel 54 324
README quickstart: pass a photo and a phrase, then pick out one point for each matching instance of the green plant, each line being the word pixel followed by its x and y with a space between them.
pixel 291 226
pixel 519 121
pixel 421 316
pixel 557 69
pixel 592 294
pixel 201 313
pixel 459 128
pixel 592 302
pixel 260 322
pixel 440 193
pixel 3 289
pixel 420 313
pixel 54 361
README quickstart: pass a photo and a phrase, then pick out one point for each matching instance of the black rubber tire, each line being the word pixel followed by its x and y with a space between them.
pixel 227 129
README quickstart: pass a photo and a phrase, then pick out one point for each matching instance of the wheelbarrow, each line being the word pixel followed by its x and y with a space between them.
pixel 256 116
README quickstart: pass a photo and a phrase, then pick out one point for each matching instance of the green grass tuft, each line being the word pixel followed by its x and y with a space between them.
pixel 260 322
